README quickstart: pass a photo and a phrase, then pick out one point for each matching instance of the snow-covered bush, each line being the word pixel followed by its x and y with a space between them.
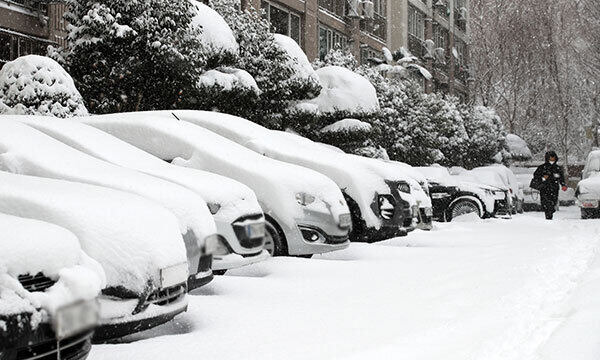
pixel 129 55
pixel 224 89
pixel 267 62
pixel 216 36
pixel 517 148
pixel 486 135
pixel 37 85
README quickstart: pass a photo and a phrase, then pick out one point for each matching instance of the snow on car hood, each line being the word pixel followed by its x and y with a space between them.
pixel 24 150
pixel 275 183
pixel 361 183
pixel 130 236
pixel 29 247
pixel 235 199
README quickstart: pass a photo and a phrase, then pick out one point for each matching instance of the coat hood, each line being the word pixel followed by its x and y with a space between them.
pixel 550 154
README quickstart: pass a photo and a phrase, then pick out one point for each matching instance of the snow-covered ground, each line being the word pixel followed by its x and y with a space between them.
pixel 497 289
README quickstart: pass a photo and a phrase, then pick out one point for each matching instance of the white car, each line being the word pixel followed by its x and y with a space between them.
pixel 510 180
pixel 531 197
pixel 136 241
pixel 380 199
pixel 305 212
pixel 456 195
pixel 490 178
pixel 48 291
pixel 31 152
pixel 588 189
pixel 238 216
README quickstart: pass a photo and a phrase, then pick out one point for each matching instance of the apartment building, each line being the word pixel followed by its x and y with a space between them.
pixel 28 27
pixel 320 25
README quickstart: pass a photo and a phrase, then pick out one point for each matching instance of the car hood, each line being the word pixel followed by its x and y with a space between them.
pixel 131 237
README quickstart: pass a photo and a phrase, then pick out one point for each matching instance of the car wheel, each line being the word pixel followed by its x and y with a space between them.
pixel 588 213
pixel 274 240
pixel 463 207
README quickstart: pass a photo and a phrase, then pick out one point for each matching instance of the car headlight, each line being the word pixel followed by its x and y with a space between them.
pixel 305 199
pixel 386 206
pixel 214 207
pixel 404 187
pixel 440 195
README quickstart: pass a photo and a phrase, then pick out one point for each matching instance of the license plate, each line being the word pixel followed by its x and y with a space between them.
pixel 255 230
pixel 590 204
pixel 428 211
pixel 173 275
pixel 345 220
pixel 76 318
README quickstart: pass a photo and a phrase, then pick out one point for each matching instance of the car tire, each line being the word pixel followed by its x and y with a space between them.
pixel 275 242
pixel 589 214
pixel 462 207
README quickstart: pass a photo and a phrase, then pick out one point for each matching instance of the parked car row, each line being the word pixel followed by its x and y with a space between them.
pixel 110 221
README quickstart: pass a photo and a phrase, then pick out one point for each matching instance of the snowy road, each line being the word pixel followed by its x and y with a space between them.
pixel 497 289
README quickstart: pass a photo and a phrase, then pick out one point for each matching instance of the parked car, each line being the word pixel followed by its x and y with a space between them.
pixel 379 198
pixel 34 153
pixel 531 197
pixel 237 214
pixel 588 189
pixel 305 212
pixel 136 241
pixel 509 180
pixel 453 196
pixel 490 178
pixel 48 292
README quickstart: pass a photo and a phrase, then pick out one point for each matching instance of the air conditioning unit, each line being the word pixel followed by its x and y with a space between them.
pixel 368 9
pixel 354 8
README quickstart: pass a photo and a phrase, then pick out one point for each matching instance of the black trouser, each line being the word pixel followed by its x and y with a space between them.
pixel 549 201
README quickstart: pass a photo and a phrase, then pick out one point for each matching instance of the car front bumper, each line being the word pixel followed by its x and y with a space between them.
pixel 232 261
pixel 203 275
pixel 241 249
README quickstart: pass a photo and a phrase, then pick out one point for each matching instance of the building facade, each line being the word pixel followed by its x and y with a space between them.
pixel 29 27
pixel 320 25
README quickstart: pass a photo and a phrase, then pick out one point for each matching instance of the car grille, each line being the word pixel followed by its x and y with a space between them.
pixel 333 240
pixel 38 282
pixel 75 347
pixel 166 296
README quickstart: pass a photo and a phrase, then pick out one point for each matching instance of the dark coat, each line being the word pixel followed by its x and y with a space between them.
pixel 556 178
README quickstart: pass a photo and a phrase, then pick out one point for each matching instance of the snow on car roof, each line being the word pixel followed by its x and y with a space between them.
pixel 130 236
pixel 31 152
pixel 235 198
pixel 29 247
pixel 161 134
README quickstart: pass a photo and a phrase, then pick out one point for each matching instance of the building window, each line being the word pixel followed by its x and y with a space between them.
pixel 336 7
pixel 378 25
pixel 440 36
pixel 282 20
pixel 330 39
pixel 368 53
pixel 416 23
pixel 460 14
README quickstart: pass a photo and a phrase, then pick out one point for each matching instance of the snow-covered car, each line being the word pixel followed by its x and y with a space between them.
pixel 509 180
pixel 31 152
pixel 48 292
pixel 456 195
pixel 136 241
pixel 531 197
pixel 238 216
pixel 588 189
pixel 379 198
pixel 305 212
pixel 490 178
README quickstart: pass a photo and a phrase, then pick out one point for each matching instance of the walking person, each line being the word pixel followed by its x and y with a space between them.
pixel 549 178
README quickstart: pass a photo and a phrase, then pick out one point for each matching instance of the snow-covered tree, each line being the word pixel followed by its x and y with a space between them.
pixel 38 85
pixel 486 135
pixel 129 55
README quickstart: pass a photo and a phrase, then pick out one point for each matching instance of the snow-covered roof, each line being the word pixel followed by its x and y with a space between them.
pixel 131 237
pixel 274 182
pixel 517 147
pixel 36 84
pixel 298 60
pixel 31 152
pixel 29 247
pixel 234 198
pixel 360 182
pixel 216 34
pixel 343 89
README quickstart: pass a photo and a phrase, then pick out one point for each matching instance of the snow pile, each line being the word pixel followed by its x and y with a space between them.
pixel 345 90
pixel 359 182
pixel 275 183
pixel 297 58
pixel 29 247
pixel 131 237
pixel 30 152
pixel 216 34
pixel 517 147
pixel 229 79
pixel 35 84
pixel 234 198
pixel 347 125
